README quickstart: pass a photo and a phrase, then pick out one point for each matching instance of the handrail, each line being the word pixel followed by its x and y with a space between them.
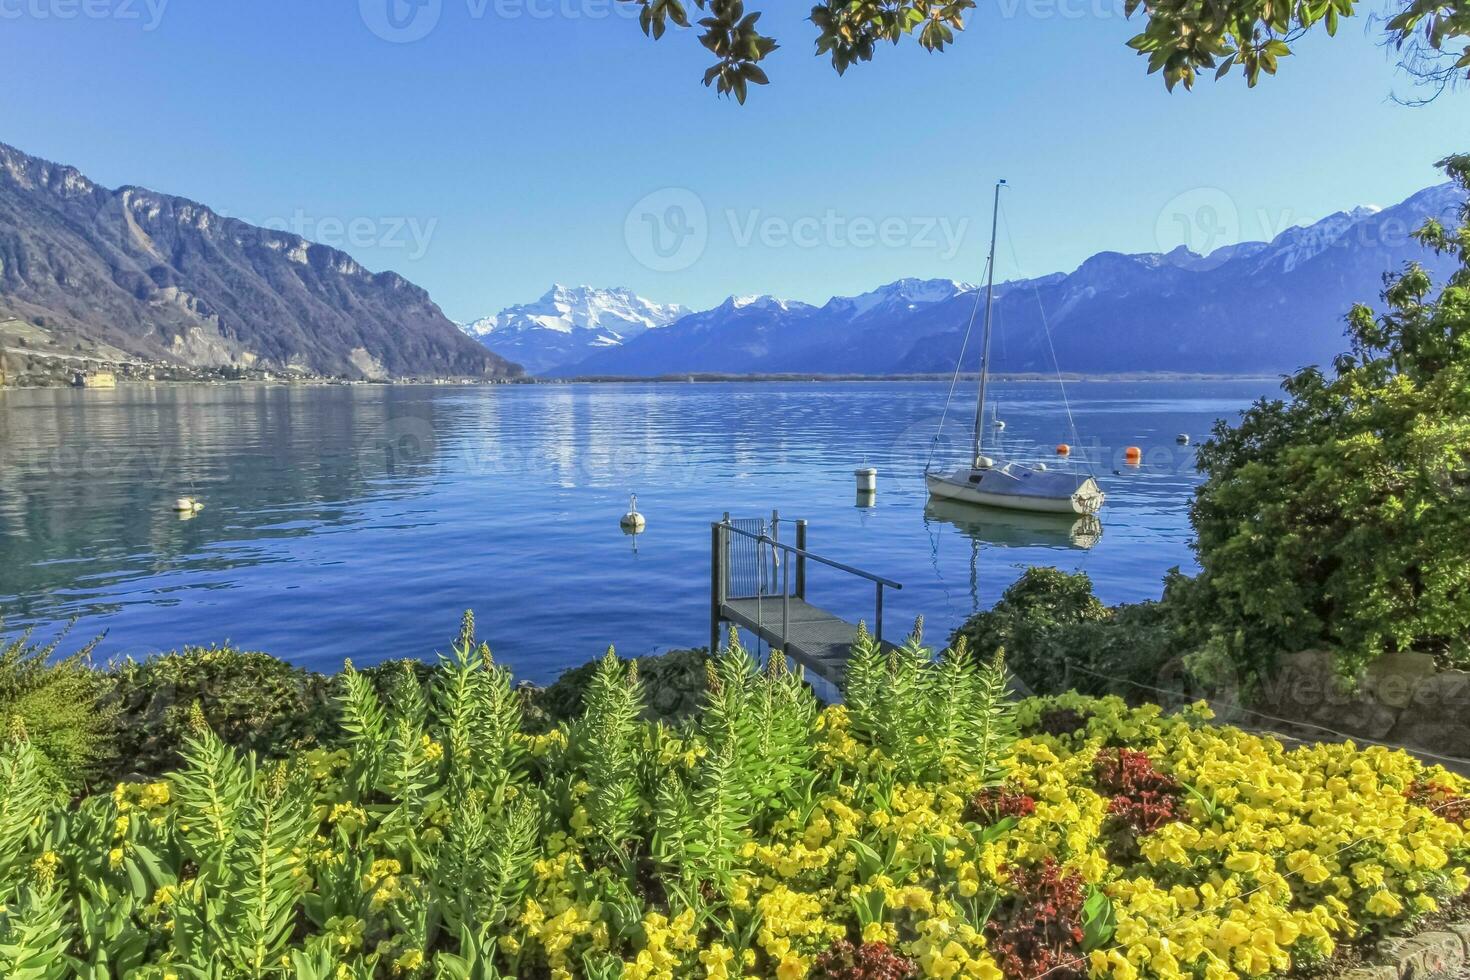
pixel 801 553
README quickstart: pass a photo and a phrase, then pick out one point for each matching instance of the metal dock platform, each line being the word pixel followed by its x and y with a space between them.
pixel 758 582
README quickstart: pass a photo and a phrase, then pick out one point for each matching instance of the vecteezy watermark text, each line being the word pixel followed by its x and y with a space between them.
pixel 405 21
pixel 409 234
pixel 149 13
pixel 669 229
pixel 832 229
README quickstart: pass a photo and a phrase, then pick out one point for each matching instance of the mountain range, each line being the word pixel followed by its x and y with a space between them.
pixel 570 323
pixel 1248 308
pixel 160 278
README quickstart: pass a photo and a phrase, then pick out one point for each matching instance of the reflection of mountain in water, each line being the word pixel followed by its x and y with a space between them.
pixel 88 479
pixel 1015 529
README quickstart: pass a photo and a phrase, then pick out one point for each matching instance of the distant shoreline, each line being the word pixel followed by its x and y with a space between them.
pixel 706 378
pixel 1021 377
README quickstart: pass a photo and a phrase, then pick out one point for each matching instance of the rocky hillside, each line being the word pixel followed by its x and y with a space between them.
pixel 167 279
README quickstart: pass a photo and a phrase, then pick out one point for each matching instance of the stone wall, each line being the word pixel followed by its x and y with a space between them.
pixel 1401 699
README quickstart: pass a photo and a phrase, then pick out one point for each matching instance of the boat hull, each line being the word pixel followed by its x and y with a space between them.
pixel 1080 495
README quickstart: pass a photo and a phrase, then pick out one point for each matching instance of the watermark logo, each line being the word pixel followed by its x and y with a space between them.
pixel 667 230
pixel 1203 219
pixel 1447 460
pixel 405 446
pixel 401 21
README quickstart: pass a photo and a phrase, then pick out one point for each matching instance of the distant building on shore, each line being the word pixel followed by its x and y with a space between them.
pixel 94 379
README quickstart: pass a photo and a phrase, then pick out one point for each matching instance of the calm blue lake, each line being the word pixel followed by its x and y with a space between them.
pixel 360 521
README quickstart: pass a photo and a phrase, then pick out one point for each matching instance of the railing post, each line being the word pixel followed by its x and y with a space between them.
pixel 879 617
pixel 775 551
pixel 785 603
pixel 716 584
pixel 801 560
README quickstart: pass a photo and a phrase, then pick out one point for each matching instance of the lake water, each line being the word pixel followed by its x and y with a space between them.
pixel 360 521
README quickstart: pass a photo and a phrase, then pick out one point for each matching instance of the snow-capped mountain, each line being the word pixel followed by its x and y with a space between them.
pixel 569 323
pixel 779 335
pixel 1252 307
pixel 904 295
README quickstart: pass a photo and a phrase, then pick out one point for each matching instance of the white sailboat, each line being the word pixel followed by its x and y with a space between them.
pixel 994 482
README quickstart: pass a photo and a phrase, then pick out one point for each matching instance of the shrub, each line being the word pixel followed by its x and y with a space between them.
pixel 1058 635
pixel 251 701
pixel 673 685
pixel 1337 517
pixel 56 704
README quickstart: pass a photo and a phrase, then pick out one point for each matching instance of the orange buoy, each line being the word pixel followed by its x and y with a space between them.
pixel 1063 449
pixel 1133 455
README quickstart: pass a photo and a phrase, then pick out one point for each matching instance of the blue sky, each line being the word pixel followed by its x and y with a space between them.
pixel 521 142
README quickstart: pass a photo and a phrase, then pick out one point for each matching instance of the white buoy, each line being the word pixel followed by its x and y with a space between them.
pixel 867 479
pixel 632 522
pixel 188 505
pixel 1182 438
pixel 999 424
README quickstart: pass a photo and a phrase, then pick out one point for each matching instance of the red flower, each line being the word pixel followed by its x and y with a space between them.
pixel 993 804
pixel 870 961
pixel 1142 797
pixel 1039 929
pixel 1441 799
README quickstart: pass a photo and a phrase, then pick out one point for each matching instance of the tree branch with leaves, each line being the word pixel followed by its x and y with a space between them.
pixel 1180 38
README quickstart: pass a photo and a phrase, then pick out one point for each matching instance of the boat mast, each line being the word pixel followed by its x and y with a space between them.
pixel 985 342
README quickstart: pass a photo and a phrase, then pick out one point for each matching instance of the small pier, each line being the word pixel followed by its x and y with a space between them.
pixel 758 582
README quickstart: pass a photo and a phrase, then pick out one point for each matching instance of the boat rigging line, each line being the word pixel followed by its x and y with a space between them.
pixel 1051 347
pixel 959 366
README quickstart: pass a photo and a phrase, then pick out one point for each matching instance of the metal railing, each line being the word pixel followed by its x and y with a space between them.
pixel 755 577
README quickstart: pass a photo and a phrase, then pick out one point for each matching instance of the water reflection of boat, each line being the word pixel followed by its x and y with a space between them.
pixel 1015 529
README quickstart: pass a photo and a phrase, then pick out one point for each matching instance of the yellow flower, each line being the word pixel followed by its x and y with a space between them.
pixel 1245 862
pixel 716 960
pixel 1383 902
pixel 410 961
pixel 791 967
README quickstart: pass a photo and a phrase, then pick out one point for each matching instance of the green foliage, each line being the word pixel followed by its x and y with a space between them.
pixel 606 738
pixel 1338 516
pixel 752 765
pixel 1180 40
pixel 1042 600
pixel 673 686
pixel 254 701
pixel 1058 635
pixel 431 836
pixel 24 803
pixel 56 702
pixel 933 717
pixel 251 700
